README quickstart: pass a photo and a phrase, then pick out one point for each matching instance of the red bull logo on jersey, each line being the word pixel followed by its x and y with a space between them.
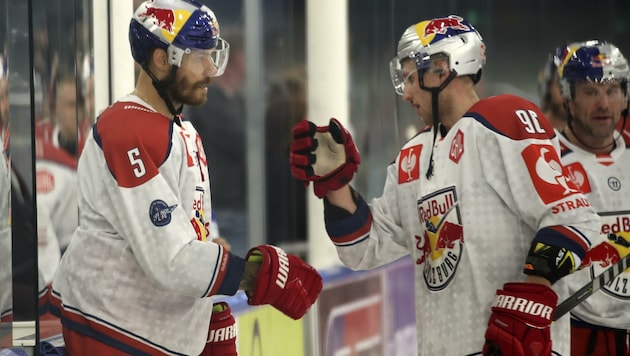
pixel 198 220
pixel 440 248
pixel 444 26
pixel 409 164
pixel 160 212
pixel 616 228
pixel 549 176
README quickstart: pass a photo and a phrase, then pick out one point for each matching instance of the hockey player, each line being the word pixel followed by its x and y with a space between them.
pixel 594 82
pixel 551 101
pixel 479 200
pixel 140 273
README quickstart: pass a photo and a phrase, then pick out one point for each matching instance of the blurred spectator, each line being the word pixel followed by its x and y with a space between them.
pixel 58 142
pixel 286 198
pixel 67 126
pixel 221 123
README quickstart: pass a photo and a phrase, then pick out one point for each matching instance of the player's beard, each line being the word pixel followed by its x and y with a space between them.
pixel 187 93
pixel 599 133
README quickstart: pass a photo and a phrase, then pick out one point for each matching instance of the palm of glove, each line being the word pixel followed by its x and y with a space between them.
pixel 324 155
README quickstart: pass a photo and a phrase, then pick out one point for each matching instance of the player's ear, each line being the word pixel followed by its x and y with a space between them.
pixel 159 60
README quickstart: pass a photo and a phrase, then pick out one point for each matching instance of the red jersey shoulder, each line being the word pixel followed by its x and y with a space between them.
pixel 135 141
pixel 43 130
pixel 513 117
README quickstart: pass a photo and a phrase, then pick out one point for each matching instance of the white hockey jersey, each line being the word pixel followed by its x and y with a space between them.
pixel 139 271
pixel 56 181
pixel 497 185
pixel 57 209
pixel 6 282
pixel 605 179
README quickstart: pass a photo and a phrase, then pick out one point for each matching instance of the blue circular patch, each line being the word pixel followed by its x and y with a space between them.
pixel 160 213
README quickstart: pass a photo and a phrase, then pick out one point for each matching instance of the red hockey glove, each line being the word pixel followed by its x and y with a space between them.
pixel 222 333
pixel 520 321
pixel 284 281
pixel 324 155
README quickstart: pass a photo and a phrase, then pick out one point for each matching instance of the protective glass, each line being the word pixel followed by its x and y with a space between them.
pixel 399 81
pixel 218 56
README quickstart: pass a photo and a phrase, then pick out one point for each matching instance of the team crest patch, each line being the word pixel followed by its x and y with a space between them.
pixel 409 164
pixel 160 213
pixel 457 147
pixel 441 245
pixel 579 177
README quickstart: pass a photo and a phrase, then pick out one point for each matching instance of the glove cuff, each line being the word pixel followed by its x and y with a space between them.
pixel 270 272
pixel 534 304
pixel 335 180
pixel 220 312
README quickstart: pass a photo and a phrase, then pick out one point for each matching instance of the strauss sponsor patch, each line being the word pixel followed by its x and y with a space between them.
pixel 550 178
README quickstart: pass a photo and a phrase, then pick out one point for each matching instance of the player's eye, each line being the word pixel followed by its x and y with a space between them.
pixel 410 78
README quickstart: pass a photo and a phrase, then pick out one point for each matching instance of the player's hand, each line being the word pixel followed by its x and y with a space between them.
pixel 324 155
pixel 284 281
pixel 520 321
pixel 223 242
pixel 222 333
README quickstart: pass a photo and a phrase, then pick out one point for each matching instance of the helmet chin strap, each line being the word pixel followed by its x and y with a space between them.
pixel 435 91
pixel 162 85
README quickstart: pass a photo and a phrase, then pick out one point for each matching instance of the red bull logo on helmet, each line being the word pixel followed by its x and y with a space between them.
pixel 162 18
pixel 440 247
pixel 168 20
pixel 428 30
pixel 600 60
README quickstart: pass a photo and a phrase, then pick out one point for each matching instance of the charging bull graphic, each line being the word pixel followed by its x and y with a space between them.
pixel 440 247
pixel 163 18
pixel 616 228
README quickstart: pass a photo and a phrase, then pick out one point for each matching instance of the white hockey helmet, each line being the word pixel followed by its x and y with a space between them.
pixel 451 36
pixel 596 61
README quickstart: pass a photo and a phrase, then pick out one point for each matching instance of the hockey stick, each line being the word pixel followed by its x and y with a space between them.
pixel 591 287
